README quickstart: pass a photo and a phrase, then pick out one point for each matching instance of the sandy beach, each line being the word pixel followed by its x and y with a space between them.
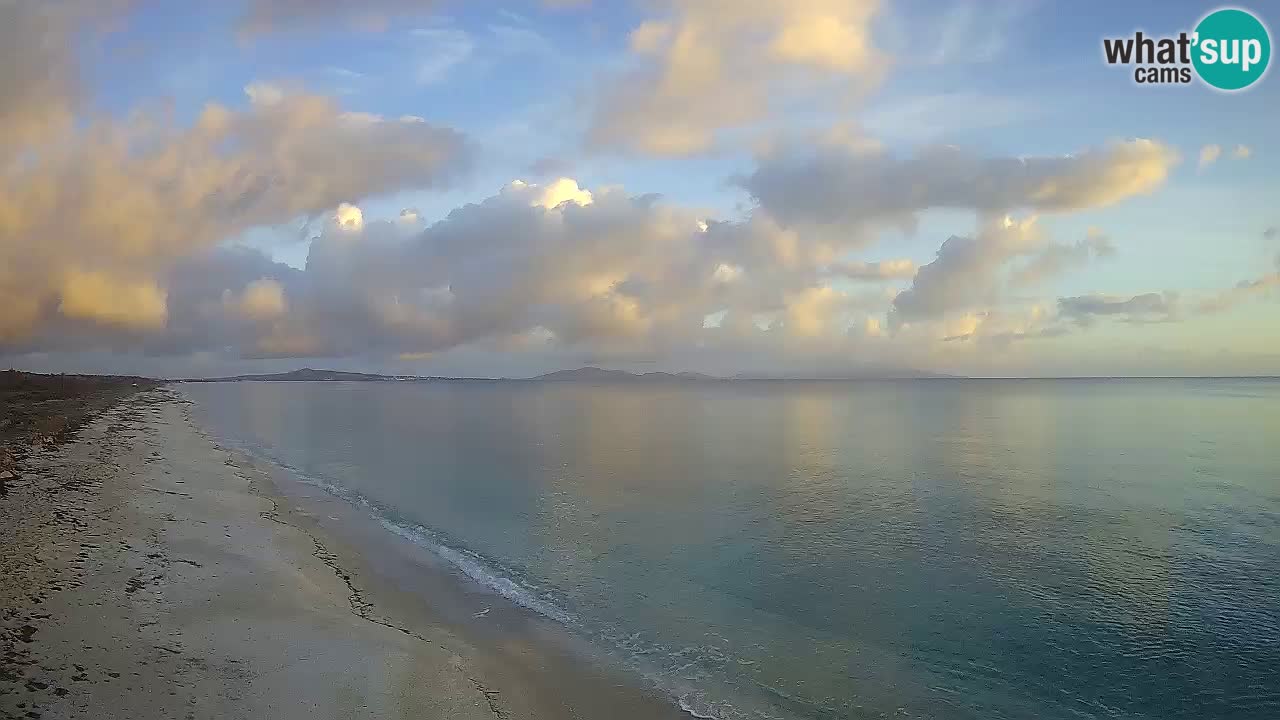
pixel 149 573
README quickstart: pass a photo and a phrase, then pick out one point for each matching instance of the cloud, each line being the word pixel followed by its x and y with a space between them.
pixel 705 67
pixel 563 190
pixel 1000 327
pixel 965 272
pixel 598 270
pixel 1148 307
pixel 41 92
pixel 119 235
pixel 1245 290
pixel 874 271
pixel 100 214
pixel 1057 258
pixel 1242 292
pixel 838 186
pixel 261 300
pixel 38 81
pixel 265 16
pixel 970 273
pixel 1209 154
pixel 101 298
pixel 590 270
pixel 347 218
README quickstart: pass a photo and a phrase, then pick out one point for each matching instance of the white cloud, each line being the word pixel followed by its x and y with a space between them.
pixel 562 190
pixel 708 66
pixel 1209 154
pixel 348 218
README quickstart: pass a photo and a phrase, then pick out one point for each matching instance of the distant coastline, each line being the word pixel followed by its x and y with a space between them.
pixel 591 374
pixel 582 374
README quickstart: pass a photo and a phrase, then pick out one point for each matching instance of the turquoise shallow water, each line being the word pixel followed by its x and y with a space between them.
pixel 936 548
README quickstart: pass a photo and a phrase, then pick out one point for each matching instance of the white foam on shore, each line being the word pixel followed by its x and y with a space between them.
pixel 479 570
pixel 687 706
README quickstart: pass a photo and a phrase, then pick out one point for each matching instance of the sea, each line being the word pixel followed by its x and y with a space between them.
pixel 931 548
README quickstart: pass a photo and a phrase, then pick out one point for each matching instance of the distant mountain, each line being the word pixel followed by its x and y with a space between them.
pixel 595 374
pixel 586 373
pixel 304 375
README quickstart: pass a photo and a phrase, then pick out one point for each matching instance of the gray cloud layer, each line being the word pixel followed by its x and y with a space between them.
pixel 838 185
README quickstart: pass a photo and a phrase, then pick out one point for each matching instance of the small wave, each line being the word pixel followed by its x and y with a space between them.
pixel 687 705
pixel 479 570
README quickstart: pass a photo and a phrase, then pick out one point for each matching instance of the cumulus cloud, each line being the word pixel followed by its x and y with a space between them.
pixel 115 234
pixel 609 272
pixel 840 186
pixel 969 273
pixel 965 272
pixel 562 190
pixel 97 216
pixel 704 67
pixel 532 266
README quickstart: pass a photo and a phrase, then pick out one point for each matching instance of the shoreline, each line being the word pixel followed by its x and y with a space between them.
pixel 178 581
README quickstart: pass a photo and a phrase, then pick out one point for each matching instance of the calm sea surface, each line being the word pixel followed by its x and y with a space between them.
pixel 938 548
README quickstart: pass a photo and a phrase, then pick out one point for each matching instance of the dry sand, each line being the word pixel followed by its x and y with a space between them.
pixel 149 573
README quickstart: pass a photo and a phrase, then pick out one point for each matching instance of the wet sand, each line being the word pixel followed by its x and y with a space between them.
pixel 150 573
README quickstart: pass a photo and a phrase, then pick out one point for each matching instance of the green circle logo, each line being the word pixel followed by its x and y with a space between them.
pixel 1232 49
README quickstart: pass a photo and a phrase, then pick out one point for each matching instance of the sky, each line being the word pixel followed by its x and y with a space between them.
pixel 501 189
